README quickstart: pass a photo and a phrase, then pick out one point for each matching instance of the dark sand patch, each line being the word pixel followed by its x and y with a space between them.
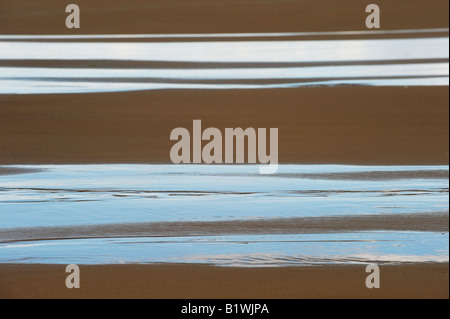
pixel 432 222
pixel 15 171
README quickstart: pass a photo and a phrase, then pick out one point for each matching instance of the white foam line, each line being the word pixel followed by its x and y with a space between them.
pixel 405 70
pixel 234 51
pixel 56 87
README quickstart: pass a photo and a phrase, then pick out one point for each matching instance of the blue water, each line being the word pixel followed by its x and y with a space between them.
pixel 238 251
pixel 70 195
pixel 95 194
pixel 373 62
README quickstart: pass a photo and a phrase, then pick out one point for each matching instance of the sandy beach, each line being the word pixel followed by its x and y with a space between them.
pixel 205 282
pixel 217 16
pixel 321 125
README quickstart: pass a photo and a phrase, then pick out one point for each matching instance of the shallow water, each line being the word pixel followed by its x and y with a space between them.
pixel 232 51
pixel 240 251
pixel 70 195
pixel 95 194
pixel 221 64
pixel 61 86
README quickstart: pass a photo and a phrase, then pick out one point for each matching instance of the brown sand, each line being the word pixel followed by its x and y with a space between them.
pixel 349 125
pixel 217 16
pixel 199 281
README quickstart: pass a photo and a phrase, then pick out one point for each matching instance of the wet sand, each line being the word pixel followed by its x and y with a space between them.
pixel 14 171
pixel 429 222
pixel 217 16
pixel 200 282
pixel 341 125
